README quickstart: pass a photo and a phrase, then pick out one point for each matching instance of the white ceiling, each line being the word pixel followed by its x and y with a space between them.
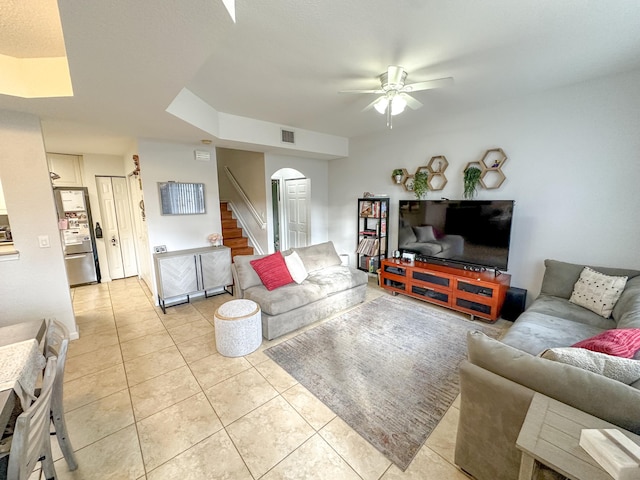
pixel 285 60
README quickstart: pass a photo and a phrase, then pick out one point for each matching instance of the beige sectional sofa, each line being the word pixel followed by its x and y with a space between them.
pixel 329 288
pixel 500 378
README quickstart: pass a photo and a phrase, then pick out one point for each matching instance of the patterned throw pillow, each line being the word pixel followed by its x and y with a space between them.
pixel 621 342
pixel 272 271
pixel 597 292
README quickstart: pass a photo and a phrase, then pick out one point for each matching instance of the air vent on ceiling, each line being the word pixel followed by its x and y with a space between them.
pixel 287 136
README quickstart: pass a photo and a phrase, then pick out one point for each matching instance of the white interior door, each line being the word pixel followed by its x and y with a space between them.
pixel 296 203
pixel 126 233
pixel 117 226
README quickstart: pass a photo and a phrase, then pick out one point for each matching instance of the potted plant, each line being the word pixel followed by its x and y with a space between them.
pixel 471 179
pixel 398 174
pixel 420 184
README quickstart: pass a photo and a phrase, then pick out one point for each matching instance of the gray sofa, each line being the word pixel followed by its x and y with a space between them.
pixel 500 378
pixel 329 288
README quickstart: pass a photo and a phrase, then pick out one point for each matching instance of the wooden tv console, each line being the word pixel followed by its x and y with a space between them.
pixel 479 294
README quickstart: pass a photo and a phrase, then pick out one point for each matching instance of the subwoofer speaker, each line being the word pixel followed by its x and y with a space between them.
pixel 514 303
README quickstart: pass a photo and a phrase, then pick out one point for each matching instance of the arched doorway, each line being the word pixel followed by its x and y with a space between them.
pixel 291 194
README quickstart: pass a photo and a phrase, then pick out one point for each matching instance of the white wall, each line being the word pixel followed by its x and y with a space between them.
pixel 318 173
pixel 573 169
pixel 161 162
pixel 34 285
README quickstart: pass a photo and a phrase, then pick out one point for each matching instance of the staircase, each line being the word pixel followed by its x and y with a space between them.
pixel 232 233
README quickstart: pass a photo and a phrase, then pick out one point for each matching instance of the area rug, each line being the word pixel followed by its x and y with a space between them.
pixel 388 368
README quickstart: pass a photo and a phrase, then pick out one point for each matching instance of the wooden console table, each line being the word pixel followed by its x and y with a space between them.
pixel 183 273
pixel 550 435
pixel 479 294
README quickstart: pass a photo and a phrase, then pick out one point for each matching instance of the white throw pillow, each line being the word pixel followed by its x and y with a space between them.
pixel 296 267
pixel 597 292
pixel 425 234
pixel 625 370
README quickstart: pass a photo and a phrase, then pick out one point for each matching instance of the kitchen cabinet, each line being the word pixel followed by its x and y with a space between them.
pixel 183 273
pixel 67 167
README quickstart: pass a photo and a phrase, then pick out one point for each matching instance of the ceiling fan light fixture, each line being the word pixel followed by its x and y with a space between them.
pixel 381 105
pixel 398 105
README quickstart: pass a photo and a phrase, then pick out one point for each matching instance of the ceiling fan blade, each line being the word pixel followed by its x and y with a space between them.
pixel 394 74
pixel 370 106
pixel 361 91
pixel 429 84
pixel 411 102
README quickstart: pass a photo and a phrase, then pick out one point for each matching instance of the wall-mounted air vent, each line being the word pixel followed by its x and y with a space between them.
pixel 202 156
pixel 287 136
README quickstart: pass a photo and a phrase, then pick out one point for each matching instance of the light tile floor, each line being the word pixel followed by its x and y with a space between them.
pixel 148 397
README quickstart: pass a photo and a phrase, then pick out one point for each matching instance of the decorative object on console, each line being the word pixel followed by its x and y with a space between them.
pixel 215 239
pixel 613 450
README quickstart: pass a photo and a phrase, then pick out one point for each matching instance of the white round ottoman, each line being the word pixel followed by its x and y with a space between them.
pixel 238 327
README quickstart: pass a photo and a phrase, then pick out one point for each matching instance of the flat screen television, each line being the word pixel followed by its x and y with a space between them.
pixel 461 232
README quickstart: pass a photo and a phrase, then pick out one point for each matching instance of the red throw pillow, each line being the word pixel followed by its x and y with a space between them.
pixel 272 270
pixel 620 342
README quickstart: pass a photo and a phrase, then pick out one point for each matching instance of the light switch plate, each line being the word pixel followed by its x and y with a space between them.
pixel 43 241
pixel 160 249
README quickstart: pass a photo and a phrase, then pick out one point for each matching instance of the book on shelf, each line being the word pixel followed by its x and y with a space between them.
pixel 383 209
pixel 368 246
pixel 383 227
pixel 365 208
pixel 368 231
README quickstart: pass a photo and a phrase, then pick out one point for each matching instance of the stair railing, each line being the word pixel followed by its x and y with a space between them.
pixel 254 213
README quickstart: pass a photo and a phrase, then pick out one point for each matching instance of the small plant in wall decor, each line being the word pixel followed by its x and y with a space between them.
pixel 471 179
pixel 421 184
pixel 397 175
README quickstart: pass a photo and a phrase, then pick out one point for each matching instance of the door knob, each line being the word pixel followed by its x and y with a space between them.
pixel 114 241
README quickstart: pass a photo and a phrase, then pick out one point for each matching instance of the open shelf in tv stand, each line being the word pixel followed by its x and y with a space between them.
pixel 479 294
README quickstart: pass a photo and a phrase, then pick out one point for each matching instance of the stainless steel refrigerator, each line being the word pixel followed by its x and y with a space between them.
pixel 76 231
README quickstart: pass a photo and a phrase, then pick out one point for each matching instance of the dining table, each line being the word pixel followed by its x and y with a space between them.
pixel 20 357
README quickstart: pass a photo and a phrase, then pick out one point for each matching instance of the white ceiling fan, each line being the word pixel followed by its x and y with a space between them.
pixel 394 93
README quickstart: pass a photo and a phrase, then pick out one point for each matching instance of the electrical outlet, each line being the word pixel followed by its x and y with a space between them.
pixel 160 249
